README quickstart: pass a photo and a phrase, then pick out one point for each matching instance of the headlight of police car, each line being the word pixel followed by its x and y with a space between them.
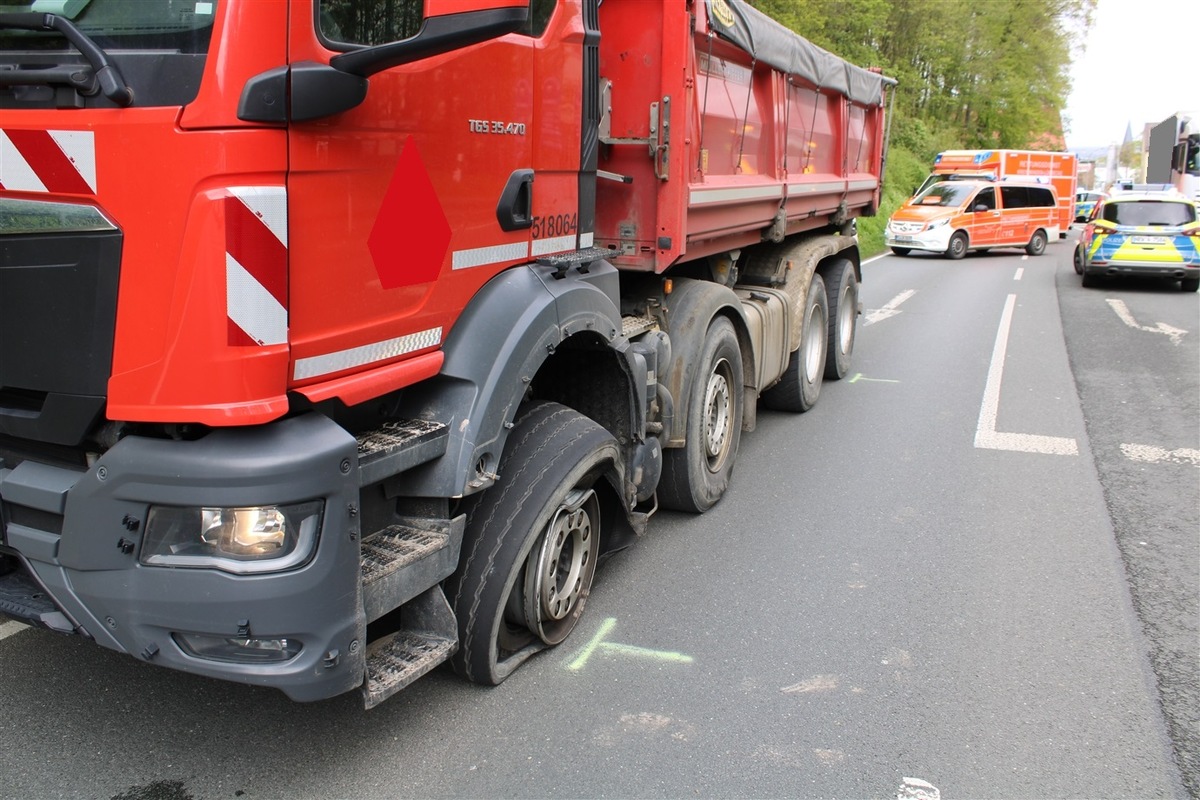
pixel 937 223
pixel 238 540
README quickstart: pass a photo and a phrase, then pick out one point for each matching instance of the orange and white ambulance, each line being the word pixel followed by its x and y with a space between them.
pixel 1040 166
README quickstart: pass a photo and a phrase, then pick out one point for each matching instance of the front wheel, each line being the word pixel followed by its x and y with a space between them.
pixel 1037 243
pixel 531 543
pixel 901 251
pixel 695 476
pixel 800 385
pixel 958 246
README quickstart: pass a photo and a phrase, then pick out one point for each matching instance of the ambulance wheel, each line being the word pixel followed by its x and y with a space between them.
pixel 695 476
pixel 958 246
pixel 901 251
pixel 1037 243
pixel 842 289
pixel 531 542
pixel 800 385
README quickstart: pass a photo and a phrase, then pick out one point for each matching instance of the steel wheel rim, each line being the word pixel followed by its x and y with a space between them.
pixel 718 400
pixel 813 339
pixel 558 573
pixel 845 320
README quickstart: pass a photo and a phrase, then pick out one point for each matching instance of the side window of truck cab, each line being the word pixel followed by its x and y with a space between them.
pixel 375 22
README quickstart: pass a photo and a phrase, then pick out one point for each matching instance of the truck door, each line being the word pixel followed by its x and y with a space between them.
pixel 401 207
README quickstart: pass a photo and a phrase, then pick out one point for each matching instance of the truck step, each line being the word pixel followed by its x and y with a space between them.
pixel 397 660
pixel 428 636
pixel 397 446
pixel 22 599
pixel 403 560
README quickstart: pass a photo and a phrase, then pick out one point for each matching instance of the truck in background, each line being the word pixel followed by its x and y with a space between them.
pixel 339 341
pixel 1059 169
pixel 1173 154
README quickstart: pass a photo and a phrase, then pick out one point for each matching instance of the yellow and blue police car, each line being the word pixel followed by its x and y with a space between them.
pixel 1148 234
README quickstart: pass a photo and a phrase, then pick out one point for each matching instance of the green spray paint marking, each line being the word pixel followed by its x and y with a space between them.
pixel 591 646
pixel 628 649
pixel 859 377
pixel 634 650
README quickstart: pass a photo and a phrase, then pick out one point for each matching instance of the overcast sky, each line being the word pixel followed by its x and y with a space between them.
pixel 1142 64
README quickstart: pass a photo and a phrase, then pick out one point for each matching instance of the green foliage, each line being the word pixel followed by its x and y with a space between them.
pixel 971 74
pixel 903 173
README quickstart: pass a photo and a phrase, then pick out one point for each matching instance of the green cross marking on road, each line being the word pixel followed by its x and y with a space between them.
pixel 598 641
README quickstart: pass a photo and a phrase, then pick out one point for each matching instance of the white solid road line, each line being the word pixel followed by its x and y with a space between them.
pixel 986 435
pixel 9 628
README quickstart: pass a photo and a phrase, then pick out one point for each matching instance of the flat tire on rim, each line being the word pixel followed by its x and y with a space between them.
pixel 695 476
pixel 800 385
pixel 531 543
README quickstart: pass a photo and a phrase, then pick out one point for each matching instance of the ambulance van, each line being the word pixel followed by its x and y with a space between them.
pixel 952 217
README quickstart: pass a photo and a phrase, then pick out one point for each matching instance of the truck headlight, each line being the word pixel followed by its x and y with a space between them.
pixel 937 223
pixel 238 540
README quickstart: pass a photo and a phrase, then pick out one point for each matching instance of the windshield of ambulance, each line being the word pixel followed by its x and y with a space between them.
pixel 159 47
pixel 946 195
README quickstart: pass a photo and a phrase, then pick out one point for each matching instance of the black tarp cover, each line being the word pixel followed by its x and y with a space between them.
pixel 787 51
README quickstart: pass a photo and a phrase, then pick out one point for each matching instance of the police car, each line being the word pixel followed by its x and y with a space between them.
pixel 1148 234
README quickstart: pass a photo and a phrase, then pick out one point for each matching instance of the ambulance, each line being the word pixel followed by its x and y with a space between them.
pixel 1040 166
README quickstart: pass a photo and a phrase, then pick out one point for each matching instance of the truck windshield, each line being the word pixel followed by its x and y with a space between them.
pixel 159 46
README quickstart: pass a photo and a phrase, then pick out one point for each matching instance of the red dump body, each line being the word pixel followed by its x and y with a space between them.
pixel 736 140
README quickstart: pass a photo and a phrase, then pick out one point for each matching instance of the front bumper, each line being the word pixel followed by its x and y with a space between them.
pixel 936 240
pixel 77 534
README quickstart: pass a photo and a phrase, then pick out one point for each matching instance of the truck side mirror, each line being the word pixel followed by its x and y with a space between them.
pixel 307 90
pixel 459 24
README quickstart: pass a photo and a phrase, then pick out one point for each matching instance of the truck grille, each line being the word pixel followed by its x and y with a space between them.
pixel 58 309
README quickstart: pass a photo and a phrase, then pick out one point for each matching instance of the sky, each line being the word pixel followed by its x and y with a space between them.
pixel 1142 64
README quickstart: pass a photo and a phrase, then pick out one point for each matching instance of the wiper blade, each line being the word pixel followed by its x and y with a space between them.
pixel 112 83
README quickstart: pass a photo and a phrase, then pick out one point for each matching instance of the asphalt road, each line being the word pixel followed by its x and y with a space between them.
pixel 973 564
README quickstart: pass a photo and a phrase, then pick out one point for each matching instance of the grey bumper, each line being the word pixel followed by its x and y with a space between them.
pixel 78 534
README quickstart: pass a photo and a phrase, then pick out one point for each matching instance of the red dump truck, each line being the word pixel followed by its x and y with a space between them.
pixel 342 338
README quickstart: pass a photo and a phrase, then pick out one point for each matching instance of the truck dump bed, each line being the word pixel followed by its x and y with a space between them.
pixel 747 130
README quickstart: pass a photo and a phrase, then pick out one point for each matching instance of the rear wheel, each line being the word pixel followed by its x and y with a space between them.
pixel 842 289
pixel 531 542
pixel 800 385
pixel 1037 243
pixel 958 246
pixel 1190 284
pixel 1090 281
pixel 695 476
pixel 1078 259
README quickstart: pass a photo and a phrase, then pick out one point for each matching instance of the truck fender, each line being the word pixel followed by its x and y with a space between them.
pixel 496 347
pixel 691 308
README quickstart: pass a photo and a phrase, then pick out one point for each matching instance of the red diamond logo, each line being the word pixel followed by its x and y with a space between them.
pixel 411 233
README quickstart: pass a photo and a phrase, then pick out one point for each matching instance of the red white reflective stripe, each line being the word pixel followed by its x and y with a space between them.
pixel 256 265
pixel 59 162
